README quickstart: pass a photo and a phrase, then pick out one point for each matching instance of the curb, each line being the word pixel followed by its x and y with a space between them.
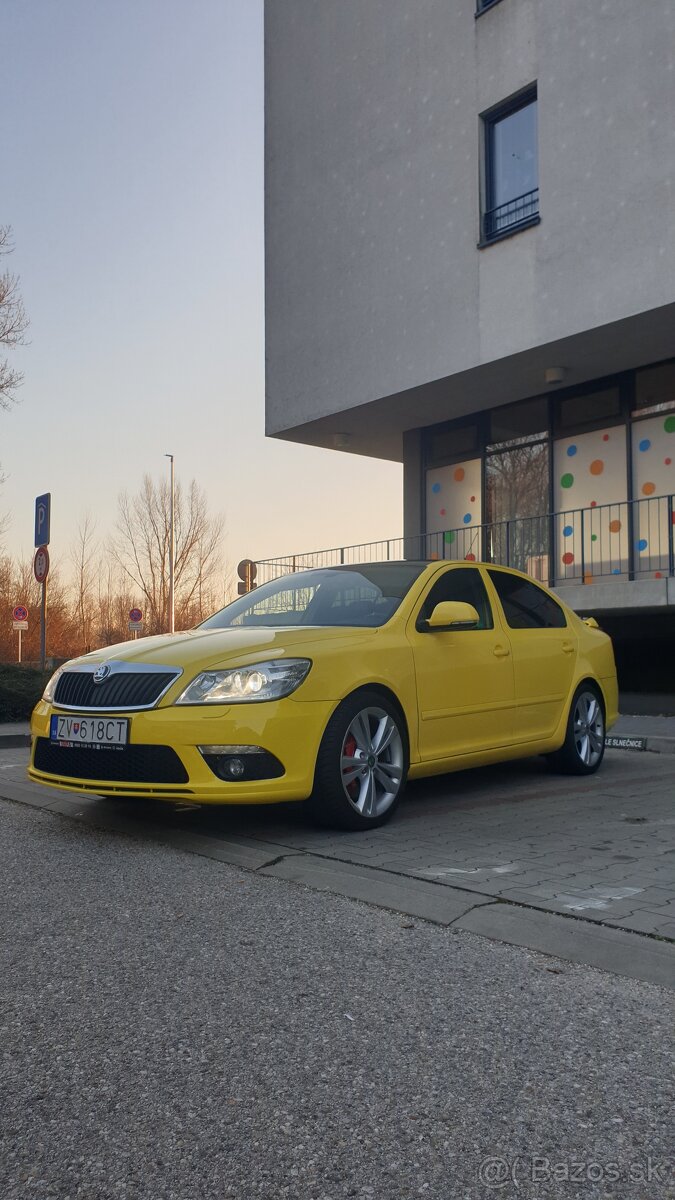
pixel 9 741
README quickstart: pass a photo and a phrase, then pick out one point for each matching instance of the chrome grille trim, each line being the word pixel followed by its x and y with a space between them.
pixel 113 683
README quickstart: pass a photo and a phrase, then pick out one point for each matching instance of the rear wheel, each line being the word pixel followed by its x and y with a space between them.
pixel 362 764
pixel 583 749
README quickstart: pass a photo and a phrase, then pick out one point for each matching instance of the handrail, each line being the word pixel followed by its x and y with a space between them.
pixel 577 545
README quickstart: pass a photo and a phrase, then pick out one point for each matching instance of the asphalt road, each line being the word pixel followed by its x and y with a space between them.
pixel 174 1028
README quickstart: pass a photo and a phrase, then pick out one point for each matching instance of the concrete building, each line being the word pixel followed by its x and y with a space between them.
pixel 471 269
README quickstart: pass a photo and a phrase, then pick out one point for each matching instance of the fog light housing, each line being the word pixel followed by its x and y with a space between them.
pixel 241 764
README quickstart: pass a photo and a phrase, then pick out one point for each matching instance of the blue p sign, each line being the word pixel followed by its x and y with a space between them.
pixel 42 514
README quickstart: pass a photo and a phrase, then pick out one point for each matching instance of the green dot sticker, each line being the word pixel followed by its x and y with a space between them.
pixel 567 480
pixel 669 424
pixel 594 537
pixel 449 537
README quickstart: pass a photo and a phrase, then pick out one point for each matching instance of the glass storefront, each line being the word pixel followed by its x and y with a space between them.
pixel 568 488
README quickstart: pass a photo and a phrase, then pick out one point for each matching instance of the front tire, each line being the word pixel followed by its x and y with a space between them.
pixel 362 764
pixel 584 747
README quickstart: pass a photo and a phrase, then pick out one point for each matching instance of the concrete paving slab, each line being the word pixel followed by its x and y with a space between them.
pixel 596 946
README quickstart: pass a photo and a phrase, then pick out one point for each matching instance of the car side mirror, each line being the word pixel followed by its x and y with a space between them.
pixel 452 614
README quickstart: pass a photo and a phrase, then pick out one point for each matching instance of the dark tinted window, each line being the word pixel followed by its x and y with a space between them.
pixel 367 594
pixel 525 605
pixel 465 584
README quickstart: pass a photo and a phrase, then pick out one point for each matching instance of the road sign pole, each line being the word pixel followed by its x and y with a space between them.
pixel 20 632
pixel 43 626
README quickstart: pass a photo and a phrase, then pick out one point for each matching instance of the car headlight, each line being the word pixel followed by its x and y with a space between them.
pixel 261 681
pixel 48 693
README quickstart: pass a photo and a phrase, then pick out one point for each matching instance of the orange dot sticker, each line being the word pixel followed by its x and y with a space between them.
pixel 597 466
pixel 433 557
pixel 614 526
pixel 658 575
pixel 648 489
pixel 588 578
pixel 459 474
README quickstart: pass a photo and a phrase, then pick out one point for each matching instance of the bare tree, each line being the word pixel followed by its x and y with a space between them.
pixel 140 545
pixel 82 557
pixel 13 323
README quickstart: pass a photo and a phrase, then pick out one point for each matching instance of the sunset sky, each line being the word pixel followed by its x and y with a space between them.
pixel 132 176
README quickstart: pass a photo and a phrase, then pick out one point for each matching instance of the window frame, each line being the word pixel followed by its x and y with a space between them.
pixel 489 120
pixel 482 6
pixel 437 581
pixel 494 572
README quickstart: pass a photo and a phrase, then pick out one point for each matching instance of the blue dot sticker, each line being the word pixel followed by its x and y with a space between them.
pixel 466 518
pixel 435 487
pixel 568 531
pixel 616 571
pixel 644 444
pixel 642 544
pixel 571 451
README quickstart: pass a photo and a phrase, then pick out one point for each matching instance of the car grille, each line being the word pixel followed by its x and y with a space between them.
pixel 124 689
pixel 121 764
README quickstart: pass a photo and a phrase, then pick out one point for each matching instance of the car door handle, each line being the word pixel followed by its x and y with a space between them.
pixel 568 647
pixel 501 651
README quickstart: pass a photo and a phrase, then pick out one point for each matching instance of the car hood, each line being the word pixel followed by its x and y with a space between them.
pixel 205 648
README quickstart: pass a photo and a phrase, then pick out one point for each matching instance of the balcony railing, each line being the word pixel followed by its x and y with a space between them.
pixel 510 216
pixel 633 539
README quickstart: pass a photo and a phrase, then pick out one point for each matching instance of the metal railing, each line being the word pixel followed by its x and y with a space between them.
pixel 510 215
pixel 632 539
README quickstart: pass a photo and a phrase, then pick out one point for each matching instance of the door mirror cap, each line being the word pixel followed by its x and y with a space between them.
pixel 453 614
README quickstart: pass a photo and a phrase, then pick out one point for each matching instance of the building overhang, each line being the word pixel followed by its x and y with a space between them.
pixel 375 428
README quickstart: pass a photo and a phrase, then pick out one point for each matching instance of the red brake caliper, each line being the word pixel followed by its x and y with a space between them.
pixel 349 752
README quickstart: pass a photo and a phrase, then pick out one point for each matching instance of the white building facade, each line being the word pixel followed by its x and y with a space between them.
pixel 470 268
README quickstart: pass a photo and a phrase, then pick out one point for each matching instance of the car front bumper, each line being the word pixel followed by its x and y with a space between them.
pixel 288 729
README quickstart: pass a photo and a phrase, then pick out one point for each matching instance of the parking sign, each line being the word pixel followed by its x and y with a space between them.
pixel 43 506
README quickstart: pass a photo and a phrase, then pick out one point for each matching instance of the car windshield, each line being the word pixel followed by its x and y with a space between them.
pixel 367 595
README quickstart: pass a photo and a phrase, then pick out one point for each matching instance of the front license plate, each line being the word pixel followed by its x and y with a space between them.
pixel 89 731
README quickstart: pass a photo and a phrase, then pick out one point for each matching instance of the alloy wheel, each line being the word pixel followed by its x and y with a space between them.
pixel 372 761
pixel 589 729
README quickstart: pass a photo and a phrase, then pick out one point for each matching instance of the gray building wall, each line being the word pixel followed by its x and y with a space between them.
pixel 375 286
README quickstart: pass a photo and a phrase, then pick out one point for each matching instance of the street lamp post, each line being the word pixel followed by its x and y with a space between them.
pixel 172 548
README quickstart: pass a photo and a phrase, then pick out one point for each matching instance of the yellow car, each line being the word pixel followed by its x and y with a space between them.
pixel 334 686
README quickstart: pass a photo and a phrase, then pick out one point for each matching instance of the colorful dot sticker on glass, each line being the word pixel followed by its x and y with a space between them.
pixel 568 559
pixel 571 451
pixel 615 527
pixel 568 531
pixel 667 461
pixel 442 513
pixel 616 570
pixel 449 537
pixel 648 489
pixel 434 557
pixel 467 518
pixel 642 544
pixel 594 504
pixel 566 480
pixel 669 424
pixel 436 487
pixel 459 474
pixel 597 466
pixel 644 445
pixel 470 558
pixel 473 498
pixel 594 537
pixel 605 437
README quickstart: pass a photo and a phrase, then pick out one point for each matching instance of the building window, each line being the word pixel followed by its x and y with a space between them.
pixel 655 390
pixel 482 5
pixel 511 170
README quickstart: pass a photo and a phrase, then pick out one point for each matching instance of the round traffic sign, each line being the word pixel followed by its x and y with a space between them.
pixel 135 615
pixel 247 569
pixel 41 564
pixel 20 613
